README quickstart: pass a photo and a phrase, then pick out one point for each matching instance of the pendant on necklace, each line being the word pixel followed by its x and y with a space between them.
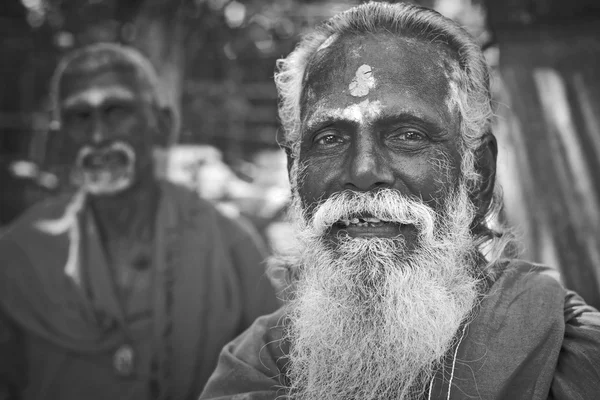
pixel 124 360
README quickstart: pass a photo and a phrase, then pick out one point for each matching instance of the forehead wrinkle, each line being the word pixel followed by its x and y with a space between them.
pixel 95 96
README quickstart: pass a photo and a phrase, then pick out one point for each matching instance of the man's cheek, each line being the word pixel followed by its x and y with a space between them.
pixel 60 148
pixel 313 184
pixel 438 181
pixel 436 194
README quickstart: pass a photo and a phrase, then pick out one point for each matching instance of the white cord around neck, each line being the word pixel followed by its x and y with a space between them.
pixel 462 336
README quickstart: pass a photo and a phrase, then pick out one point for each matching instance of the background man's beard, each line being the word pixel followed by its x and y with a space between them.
pixel 370 320
pixel 106 170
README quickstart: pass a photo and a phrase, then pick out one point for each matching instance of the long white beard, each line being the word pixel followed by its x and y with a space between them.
pixel 370 319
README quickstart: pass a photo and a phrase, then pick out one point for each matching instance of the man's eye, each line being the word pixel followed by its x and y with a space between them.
pixel 115 111
pixel 78 116
pixel 327 138
pixel 407 139
pixel 410 136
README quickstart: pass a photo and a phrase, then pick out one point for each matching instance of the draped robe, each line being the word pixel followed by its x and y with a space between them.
pixel 530 339
pixel 207 284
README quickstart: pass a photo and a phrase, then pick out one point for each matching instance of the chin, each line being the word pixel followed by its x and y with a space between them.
pixel 106 181
pixel 111 189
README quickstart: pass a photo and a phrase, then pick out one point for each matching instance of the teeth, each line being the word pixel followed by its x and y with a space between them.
pixel 366 221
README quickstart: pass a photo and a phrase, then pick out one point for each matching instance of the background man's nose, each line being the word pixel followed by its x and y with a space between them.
pixel 99 133
pixel 368 169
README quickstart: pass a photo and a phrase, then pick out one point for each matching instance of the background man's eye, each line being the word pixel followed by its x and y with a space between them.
pixel 78 116
pixel 115 110
pixel 82 115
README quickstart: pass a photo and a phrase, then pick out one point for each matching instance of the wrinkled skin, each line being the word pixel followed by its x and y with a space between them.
pixel 392 129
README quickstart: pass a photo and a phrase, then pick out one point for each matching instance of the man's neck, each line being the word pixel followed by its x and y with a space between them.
pixel 129 215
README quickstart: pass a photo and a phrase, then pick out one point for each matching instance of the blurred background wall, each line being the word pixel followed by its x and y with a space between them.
pixel 216 61
pixel 547 91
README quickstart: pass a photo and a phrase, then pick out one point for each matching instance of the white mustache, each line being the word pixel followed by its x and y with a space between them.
pixel 387 205
pixel 119 146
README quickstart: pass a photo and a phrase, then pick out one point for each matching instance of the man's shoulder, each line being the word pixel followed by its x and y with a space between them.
pixel 517 276
pixel 520 339
pixel 262 345
pixel 523 291
pixel 231 229
pixel 184 195
pixel 266 328
pixel 187 198
pixel 535 292
pixel 27 223
pixel 531 323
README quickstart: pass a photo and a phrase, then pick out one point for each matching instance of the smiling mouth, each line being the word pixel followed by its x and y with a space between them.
pixel 368 226
pixel 362 222
pixel 117 155
pixel 105 160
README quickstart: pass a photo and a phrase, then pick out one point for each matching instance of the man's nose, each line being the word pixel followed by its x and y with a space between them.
pixel 368 167
pixel 99 132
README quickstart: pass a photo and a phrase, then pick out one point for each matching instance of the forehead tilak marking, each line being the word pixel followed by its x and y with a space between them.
pixel 360 113
pixel 362 82
pixel 97 95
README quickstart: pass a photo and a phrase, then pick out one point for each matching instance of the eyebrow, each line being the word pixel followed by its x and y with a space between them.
pixel 430 124
pixel 97 96
pixel 328 117
pixel 382 117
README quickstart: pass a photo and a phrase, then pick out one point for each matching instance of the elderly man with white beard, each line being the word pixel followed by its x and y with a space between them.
pixel 128 286
pixel 396 288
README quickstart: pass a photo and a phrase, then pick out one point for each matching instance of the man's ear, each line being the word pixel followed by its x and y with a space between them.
pixel 485 165
pixel 165 125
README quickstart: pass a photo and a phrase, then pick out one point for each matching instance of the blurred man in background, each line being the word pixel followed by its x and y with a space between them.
pixel 387 113
pixel 128 287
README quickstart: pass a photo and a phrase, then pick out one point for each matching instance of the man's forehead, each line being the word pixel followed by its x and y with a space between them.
pixel 93 86
pixel 358 60
pixel 96 95
pixel 352 69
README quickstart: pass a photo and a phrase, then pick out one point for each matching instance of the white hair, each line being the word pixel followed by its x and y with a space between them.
pixel 468 80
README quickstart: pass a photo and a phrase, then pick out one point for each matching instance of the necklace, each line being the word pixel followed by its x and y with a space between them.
pixel 462 336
